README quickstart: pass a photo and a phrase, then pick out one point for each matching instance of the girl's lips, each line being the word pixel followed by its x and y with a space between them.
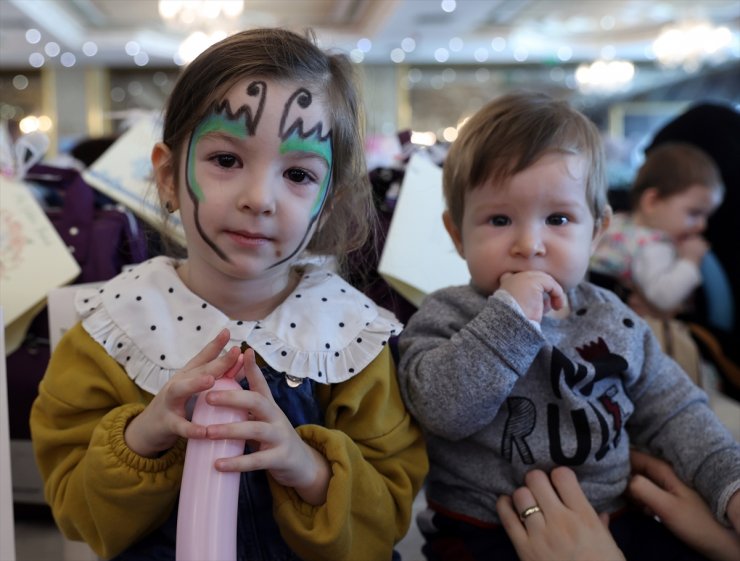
pixel 250 238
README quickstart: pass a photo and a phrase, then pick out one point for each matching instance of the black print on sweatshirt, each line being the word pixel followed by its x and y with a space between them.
pixel 522 412
pixel 605 365
pixel 519 424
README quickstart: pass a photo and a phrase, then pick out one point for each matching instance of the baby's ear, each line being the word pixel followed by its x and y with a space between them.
pixel 165 174
pixel 454 232
pixel 601 226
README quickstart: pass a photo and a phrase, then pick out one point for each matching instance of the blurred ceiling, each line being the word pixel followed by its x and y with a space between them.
pixel 474 32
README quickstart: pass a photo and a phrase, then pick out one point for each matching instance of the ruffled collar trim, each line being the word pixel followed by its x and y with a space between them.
pixel 152 325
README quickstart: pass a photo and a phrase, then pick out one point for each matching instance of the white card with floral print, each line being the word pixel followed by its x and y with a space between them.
pixel 33 259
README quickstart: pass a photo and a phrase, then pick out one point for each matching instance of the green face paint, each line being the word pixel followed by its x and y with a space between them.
pixel 314 146
pixel 217 121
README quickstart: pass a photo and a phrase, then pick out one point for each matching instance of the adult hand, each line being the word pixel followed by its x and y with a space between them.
pixel 276 446
pixel 565 527
pixel 657 487
pixel 535 292
pixel 164 420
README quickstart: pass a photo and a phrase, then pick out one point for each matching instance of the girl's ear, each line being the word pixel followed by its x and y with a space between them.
pixel 601 227
pixel 647 201
pixel 454 232
pixel 165 175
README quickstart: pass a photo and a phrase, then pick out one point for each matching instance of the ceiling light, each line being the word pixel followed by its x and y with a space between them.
pixel 196 43
pixel 189 12
pixel 605 76
pixel 692 44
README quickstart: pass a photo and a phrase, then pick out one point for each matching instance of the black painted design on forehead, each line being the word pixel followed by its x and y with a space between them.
pixel 300 99
pixel 252 116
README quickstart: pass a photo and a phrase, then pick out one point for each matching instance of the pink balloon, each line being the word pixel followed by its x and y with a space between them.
pixel 206 519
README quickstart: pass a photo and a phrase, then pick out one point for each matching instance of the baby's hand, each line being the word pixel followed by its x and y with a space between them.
pixel 158 427
pixel 276 446
pixel 692 248
pixel 535 292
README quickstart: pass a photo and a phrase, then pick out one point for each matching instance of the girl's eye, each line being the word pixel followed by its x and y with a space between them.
pixel 297 175
pixel 557 220
pixel 225 160
pixel 499 220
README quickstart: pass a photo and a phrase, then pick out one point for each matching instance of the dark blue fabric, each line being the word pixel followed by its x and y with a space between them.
pixel 640 537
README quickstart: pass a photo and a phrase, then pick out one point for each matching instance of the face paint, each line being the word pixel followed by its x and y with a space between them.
pixel 221 119
pixel 300 130
pixel 321 147
pixel 215 122
pixel 241 124
pixel 295 138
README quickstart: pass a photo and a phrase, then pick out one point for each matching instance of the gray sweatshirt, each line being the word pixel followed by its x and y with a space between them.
pixel 498 397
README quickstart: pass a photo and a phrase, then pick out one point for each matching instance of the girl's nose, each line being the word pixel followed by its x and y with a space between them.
pixel 257 196
pixel 701 224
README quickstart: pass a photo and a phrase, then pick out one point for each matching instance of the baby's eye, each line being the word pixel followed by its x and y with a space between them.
pixel 297 175
pixel 499 220
pixel 227 161
pixel 557 220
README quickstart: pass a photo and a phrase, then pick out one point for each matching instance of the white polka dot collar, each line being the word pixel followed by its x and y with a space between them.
pixel 152 324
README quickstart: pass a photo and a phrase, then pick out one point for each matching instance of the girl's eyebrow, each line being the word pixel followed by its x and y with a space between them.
pixel 224 135
pixel 308 147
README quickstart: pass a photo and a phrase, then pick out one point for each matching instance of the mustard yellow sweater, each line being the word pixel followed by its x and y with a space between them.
pixel 102 492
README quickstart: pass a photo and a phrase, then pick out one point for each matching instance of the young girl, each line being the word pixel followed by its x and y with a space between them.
pixel 656 249
pixel 262 154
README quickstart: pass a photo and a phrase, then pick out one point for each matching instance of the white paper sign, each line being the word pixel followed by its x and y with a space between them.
pixel 124 173
pixel 419 256
pixel 33 259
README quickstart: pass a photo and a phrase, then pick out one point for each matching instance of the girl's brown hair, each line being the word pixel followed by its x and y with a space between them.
pixel 672 168
pixel 282 55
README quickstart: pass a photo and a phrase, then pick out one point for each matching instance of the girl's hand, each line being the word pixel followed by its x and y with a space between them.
pixel 693 248
pixel 656 486
pixel 158 427
pixel 275 444
pixel 535 292
pixel 565 527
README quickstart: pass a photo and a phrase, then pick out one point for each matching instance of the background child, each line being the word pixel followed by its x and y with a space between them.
pixel 262 154
pixel 657 248
pixel 529 366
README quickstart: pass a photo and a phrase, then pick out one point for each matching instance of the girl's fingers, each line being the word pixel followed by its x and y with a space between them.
pixel 210 351
pixel 255 378
pixel 186 429
pixel 256 431
pixel 234 370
